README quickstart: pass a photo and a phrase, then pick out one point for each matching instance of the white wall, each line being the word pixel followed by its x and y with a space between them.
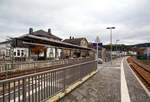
pixel 59 52
pixel 4 48
pixel 54 52
pixel 26 51
pixel 48 53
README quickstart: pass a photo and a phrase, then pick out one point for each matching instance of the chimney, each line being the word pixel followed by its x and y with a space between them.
pixel 30 30
pixel 49 31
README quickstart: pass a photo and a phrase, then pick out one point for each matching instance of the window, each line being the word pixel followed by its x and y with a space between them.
pixel 22 52
pixel 18 52
pixel 7 52
pixel 14 53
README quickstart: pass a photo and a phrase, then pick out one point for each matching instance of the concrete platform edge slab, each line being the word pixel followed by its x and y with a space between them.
pixel 124 89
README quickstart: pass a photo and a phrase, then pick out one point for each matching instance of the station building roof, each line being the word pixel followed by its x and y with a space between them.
pixel 41 40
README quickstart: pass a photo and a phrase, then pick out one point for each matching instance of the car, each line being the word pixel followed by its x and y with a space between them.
pixel 100 61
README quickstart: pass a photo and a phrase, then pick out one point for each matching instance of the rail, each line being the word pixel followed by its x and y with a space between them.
pixel 142 65
pixel 38 87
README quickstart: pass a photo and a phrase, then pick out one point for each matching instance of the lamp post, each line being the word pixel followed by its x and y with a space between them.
pixel 97 40
pixel 116 44
pixel 111 39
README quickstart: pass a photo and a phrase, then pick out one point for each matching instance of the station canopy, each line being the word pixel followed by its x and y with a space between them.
pixel 32 39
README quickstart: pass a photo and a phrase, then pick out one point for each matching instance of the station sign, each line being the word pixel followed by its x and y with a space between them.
pixel 99 44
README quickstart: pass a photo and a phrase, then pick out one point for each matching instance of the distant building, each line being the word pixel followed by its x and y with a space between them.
pixel 143 51
pixel 4 50
pixel 133 53
pixel 74 52
pixel 148 51
pixel 77 41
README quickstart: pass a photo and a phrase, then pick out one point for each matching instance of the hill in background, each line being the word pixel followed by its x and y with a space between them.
pixel 123 47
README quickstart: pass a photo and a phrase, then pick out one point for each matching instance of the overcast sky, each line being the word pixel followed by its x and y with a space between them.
pixel 79 18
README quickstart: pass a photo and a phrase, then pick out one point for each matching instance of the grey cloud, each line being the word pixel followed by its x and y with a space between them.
pixel 86 18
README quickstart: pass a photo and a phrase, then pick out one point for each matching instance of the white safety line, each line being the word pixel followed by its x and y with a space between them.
pixel 146 90
pixel 124 89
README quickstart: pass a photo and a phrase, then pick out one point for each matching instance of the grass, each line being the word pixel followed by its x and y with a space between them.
pixel 145 62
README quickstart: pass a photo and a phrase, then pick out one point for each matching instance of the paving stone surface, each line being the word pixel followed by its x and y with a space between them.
pixel 103 87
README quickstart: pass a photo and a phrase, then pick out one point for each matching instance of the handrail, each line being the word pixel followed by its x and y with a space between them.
pixel 43 85
pixel 44 72
pixel 38 64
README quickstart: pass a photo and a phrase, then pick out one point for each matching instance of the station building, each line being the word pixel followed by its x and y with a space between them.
pixel 43 45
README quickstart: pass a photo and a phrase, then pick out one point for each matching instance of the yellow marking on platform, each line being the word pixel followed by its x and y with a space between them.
pixel 70 88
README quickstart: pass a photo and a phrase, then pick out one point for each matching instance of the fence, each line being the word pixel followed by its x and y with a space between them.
pixel 38 64
pixel 40 86
pixel 140 57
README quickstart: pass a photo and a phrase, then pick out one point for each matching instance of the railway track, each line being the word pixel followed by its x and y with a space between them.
pixel 142 72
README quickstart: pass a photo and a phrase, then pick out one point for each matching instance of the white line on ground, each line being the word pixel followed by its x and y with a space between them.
pixel 124 89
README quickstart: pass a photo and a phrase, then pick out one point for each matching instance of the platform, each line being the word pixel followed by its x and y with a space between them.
pixel 112 83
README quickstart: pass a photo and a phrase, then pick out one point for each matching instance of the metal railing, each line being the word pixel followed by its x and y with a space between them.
pixel 38 87
pixel 5 67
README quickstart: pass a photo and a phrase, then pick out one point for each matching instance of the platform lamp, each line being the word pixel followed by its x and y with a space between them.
pixel 97 40
pixel 116 45
pixel 111 39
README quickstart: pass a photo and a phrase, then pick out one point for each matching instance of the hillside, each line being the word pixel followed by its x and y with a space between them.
pixel 141 45
pixel 123 47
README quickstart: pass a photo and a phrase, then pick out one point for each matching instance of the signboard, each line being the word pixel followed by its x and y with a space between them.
pixel 94 44
pixel 99 44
